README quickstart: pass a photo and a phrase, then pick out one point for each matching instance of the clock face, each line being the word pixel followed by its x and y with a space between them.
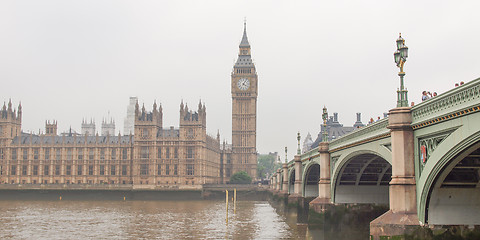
pixel 243 84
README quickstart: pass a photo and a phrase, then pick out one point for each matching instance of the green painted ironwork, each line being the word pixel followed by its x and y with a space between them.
pixel 458 128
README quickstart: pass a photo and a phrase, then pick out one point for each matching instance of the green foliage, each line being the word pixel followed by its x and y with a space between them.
pixel 266 164
pixel 240 178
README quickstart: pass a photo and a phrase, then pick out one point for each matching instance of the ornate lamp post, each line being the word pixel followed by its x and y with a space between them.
pixel 400 57
pixel 325 117
pixel 298 147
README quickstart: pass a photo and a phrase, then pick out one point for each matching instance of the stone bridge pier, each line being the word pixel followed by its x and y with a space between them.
pixel 402 217
pixel 296 197
pixel 324 194
pixel 417 169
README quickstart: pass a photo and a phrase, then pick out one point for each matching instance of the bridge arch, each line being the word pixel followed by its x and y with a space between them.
pixel 310 178
pixel 291 180
pixel 362 177
pixel 449 186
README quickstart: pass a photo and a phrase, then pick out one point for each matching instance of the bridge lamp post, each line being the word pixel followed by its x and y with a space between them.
pixel 324 117
pixel 400 57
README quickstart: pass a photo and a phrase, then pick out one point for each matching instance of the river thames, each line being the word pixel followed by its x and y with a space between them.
pixel 196 219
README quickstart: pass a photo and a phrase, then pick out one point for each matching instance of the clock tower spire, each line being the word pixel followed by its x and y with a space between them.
pixel 244 91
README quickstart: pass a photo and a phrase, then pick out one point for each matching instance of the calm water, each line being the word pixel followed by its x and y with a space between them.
pixel 145 220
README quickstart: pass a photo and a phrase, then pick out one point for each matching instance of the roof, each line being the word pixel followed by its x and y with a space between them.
pixel 244 61
pixel 334 130
pixel 36 139
pixel 244 42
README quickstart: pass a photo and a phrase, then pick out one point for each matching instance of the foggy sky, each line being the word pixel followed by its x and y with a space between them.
pixel 69 60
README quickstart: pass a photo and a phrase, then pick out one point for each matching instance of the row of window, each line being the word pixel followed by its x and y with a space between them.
pixel 100 182
pixel 56 170
pixel 145 152
pixel 241 70
pixel 189 169
pixel 80 153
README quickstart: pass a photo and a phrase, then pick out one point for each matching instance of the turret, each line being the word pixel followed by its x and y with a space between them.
pixel 193 123
pixel 108 128
pixel 19 114
pixel 10 122
pixel 193 118
pixel 136 108
pixel 147 124
pixel 51 128
pixel 88 128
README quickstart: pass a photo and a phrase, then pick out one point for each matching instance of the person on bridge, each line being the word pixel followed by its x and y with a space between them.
pixel 425 96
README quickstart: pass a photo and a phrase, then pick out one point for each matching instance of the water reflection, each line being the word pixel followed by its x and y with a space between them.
pixel 144 220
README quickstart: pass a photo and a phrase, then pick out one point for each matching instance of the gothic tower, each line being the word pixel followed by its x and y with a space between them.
pixel 10 123
pixel 244 110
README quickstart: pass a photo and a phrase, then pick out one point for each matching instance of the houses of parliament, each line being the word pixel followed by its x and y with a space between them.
pixel 150 155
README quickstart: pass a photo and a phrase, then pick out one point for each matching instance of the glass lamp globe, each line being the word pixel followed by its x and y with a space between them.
pixel 404 52
pixel 396 57
pixel 399 43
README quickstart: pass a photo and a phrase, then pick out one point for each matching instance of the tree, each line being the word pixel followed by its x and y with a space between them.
pixel 266 165
pixel 240 178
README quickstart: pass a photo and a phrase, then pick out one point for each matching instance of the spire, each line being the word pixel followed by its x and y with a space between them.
pixel 244 54
pixel 136 107
pixel 10 105
pixel 244 42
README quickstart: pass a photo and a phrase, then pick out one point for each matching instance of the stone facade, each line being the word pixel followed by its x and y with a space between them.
pixel 154 156
pixel 244 85
pixel 108 127
pixel 88 128
pixel 148 154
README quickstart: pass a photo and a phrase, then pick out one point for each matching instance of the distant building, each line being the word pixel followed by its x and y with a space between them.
pixel 108 128
pixel 307 143
pixel 88 128
pixel 147 153
pixel 335 129
pixel 154 156
pixel 128 124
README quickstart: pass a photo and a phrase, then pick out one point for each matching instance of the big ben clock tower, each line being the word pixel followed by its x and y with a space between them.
pixel 244 87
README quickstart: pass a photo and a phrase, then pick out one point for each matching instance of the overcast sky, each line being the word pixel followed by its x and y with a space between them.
pixel 68 60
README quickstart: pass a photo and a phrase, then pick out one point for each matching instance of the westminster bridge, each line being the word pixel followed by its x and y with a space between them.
pixel 421 161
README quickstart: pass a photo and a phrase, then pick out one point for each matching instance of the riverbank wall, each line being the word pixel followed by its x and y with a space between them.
pixel 128 192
